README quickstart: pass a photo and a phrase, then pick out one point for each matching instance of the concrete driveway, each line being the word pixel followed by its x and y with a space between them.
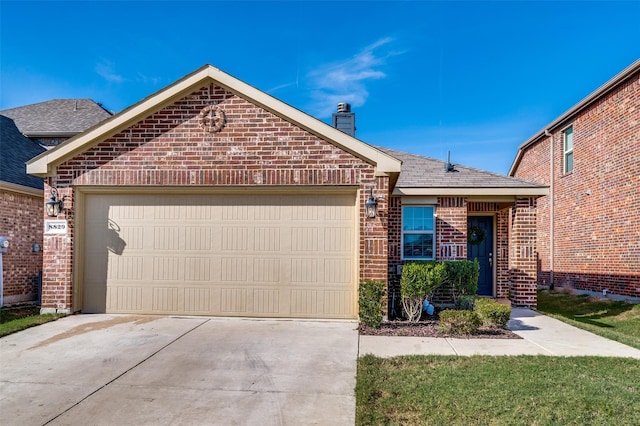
pixel 148 370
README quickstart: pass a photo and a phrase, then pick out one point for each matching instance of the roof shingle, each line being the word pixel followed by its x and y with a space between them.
pixel 65 117
pixel 425 172
pixel 15 150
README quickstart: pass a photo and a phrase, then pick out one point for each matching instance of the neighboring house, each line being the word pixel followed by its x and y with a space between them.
pixel 20 216
pixel 589 225
pixel 211 197
pixel 52 122
pixel 26 132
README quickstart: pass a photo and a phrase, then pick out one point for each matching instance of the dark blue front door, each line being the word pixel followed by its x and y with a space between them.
pixel 482 250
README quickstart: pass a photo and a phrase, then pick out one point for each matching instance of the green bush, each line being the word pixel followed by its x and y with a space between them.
pixel 492 313
pixel 370 299
pixel 462 276
pixel 466 302
pixel 417 282
pixel 458 322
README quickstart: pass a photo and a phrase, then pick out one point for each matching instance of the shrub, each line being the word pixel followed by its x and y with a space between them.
pixel 417 282
pixel 458 322
pixel 492 313
pixel 466 302
pixel 370 298
pixel 462 276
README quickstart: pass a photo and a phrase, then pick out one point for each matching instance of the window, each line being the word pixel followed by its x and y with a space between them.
pixel 568 149
pixel 418 242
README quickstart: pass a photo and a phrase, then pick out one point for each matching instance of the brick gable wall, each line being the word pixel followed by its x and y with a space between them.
pixel 597 207
pixel 255 148
pixel 21 222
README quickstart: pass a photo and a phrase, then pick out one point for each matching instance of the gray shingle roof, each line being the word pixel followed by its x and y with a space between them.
pixel 64 117
pixel 425 172
pixel 15 150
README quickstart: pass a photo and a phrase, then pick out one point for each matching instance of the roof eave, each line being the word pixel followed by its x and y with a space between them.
pixel 537 191
pixel 44 134
pixel 21 189
pixel 44 164
pixel 584 103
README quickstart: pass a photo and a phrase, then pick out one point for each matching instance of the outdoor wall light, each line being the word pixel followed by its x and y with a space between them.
pixel 54 205
pixel 371 206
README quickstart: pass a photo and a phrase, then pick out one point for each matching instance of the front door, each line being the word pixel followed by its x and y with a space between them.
pixel 480 246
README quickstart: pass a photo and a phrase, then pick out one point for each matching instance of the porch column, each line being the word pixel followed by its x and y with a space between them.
pixel 522 262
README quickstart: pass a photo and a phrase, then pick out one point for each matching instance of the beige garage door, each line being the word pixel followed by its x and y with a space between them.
pixel 264 255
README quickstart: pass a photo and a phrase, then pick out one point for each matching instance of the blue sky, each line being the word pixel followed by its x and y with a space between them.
pixel 474 78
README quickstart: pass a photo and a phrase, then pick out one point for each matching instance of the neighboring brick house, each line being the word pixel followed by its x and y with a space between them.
pixel 52 122
pixel 20 216
pixel 211 197
pixel 26 132
pixel 589 225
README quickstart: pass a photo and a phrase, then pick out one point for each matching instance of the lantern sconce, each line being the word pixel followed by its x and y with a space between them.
pixel 371 206
pixel 55 203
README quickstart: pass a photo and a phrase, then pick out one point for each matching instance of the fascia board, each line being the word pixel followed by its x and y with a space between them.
pixel 525 192
pixel 21 189
pixel 574 110
pixel 44 164
pixel 385 164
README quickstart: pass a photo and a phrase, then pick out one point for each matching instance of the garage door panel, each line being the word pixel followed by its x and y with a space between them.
pixel 337 303
pixel 238 254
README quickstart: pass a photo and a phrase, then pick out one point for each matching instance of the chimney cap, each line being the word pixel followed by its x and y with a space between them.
pixel 344 107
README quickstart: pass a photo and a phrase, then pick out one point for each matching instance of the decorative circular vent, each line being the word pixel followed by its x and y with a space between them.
pixel 211 119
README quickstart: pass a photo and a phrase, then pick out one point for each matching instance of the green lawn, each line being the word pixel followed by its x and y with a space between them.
pixel 484 390
pixel 17 318
pixel 522 390
pixel 616 320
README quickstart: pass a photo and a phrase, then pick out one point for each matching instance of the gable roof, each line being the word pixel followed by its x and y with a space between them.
pixel 576 109
pixel 45 164
pixel 15 150
pixel 427 176
pixel 57 118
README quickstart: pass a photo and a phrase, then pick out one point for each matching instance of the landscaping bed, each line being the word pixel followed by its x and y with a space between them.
pixel 429 328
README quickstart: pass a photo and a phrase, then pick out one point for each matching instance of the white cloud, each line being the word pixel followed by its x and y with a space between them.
pixel 105 69
pixel 346 80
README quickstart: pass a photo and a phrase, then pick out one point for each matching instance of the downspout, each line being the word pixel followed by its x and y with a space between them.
pixel 551 209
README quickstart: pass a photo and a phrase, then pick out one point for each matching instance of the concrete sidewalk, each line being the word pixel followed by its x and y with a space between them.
pixel 541 335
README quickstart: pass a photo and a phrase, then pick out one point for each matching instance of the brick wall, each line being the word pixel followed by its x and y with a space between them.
pixel 254 148
pixel 597 207
pixel 522 261
pixel 21 221
pixel 451 228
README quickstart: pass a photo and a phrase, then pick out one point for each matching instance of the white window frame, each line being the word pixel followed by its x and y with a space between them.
pixel 567 152
pixel 432 232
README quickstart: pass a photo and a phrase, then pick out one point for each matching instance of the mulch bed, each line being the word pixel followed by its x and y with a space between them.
pixel 429 328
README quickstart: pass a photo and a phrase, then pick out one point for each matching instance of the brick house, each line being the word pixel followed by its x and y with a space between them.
pixel 211 197
pixel 26 132
pixel 589 224
pixel 20 216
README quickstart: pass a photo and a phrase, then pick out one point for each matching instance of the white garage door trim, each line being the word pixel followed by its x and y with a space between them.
pixel 250 252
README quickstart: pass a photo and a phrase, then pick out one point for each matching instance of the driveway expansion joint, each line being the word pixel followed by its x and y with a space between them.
pixel 125 372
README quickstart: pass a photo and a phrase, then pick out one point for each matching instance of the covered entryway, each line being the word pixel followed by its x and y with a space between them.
pixel 262 254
